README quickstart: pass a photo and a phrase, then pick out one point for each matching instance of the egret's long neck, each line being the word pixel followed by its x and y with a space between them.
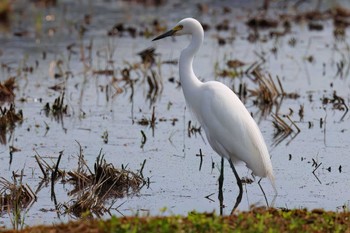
pixel 189 81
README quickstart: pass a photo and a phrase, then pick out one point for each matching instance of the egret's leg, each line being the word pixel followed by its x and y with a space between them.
pixel 274 197
pixel 221 183
pixel 262 190
pixel 239 183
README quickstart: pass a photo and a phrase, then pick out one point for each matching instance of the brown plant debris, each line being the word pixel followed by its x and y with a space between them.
pixel 93 188
pixel 193 130
pixel 57 109
pixel 46 168
pixel 15 195
pixel 45 3
pixel 235 63
pixel 283 129
pixel 147 71
pixel 223 26
pixel 106 72
pixel 151 122
pixel 5 12
pixel 8 119
pixel 262 23
pixel 120 30
pixel 269 93
pixel 337 102
pixel 236 68
pixel 148 56
pixel 6 90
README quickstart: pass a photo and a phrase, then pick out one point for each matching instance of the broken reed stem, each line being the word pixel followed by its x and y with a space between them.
pixel 144 138
pixel 34 197
pixel 318 165
pixel 248 70
pixel 81 161
pixel 54 174
pixel 143 165
pixel 273 86
pixel 280 85
pixel 40 166
pixel 153 119
pixel 295 125
pixel 46 164
pixel 283 125
pixel 15 196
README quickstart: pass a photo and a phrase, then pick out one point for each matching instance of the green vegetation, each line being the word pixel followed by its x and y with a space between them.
pixel 255 220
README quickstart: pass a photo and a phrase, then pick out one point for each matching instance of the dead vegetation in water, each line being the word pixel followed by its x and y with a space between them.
pixel 7 91
pixel 268 93
pixel 337 102
pixel 236 68
pixel 123 30
pixel 8 120
pixel 57 109
pixel 262 23
pixel 284 129
pixel 5 12
pixel 123 80
pixel 281 25
pixel 15 197
pixel 92 188
pixel 151 122
pixel 15 194
pixel 151 71
pixel 45 3
pixel 193 129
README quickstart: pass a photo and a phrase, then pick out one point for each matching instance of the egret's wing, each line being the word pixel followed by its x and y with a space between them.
pixel 231 130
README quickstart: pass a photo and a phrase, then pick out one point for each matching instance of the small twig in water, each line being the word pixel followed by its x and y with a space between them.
pixel 313 172
pixel 144 138
pixel 201 156
pixel 40 166
pixel 208 197
pixel 143 165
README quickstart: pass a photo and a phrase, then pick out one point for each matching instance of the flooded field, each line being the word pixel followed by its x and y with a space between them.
pixel 81 79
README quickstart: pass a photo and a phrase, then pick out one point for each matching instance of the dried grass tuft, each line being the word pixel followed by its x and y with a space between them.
pixel 93 188
pixel 8 119
pixel 7 91
pixel 268 93
pixel 15 195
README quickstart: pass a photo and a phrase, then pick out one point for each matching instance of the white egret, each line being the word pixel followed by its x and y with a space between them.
pixel 230 129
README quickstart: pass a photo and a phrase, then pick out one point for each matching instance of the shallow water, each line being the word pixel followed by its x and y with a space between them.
pixel 171 162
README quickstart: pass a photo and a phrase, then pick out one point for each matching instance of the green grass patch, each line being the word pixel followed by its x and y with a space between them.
pixel 255 220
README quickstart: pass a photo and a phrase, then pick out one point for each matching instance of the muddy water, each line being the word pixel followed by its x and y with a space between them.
pixel 305 61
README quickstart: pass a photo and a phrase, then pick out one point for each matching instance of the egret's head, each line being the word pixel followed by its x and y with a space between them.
pixel 185 26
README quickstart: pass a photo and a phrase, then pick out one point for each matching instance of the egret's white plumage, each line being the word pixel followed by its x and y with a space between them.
pixel 230 129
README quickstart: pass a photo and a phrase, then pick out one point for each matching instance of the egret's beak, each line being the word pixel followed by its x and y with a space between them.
pixel 169 33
